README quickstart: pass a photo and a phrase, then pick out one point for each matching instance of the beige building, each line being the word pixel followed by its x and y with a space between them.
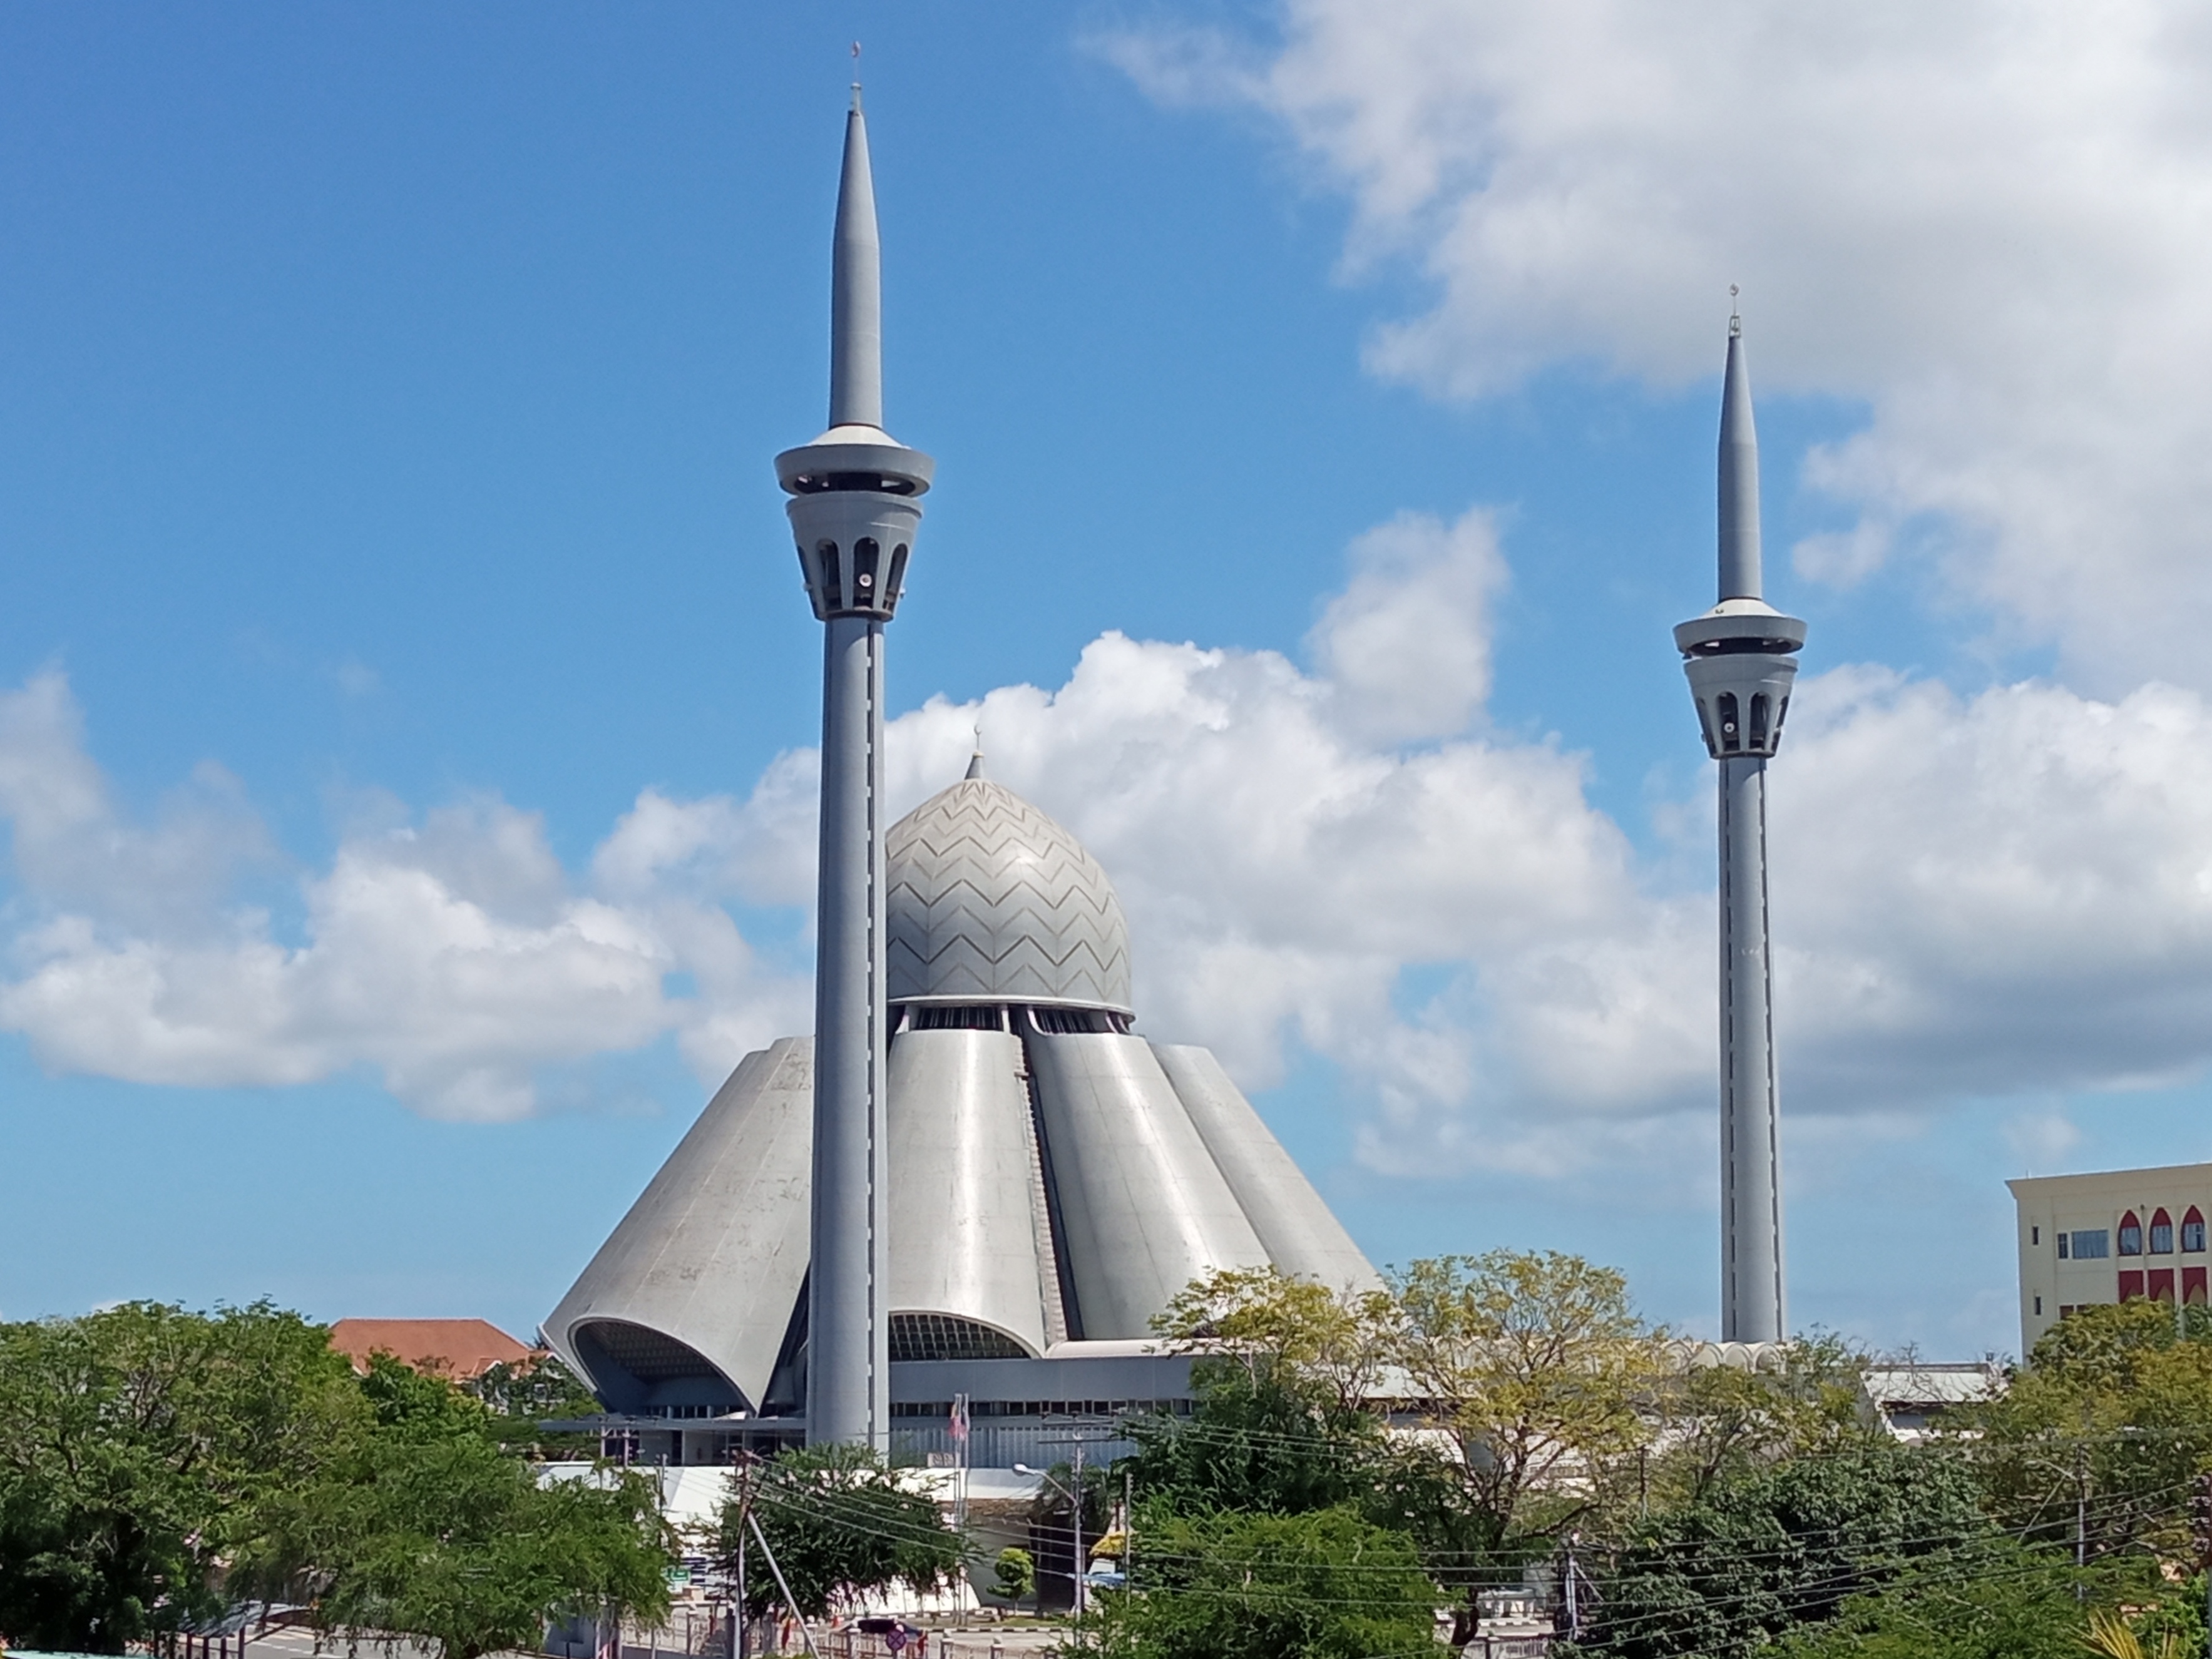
pixel 2109 1237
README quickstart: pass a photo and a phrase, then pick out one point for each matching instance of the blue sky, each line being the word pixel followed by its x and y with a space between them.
pixel 390 401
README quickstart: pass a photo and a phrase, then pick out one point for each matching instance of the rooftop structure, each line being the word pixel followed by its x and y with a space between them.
pixel 462 1349
pixel 1052 1178
pixel 2110 1236
pixel 976 1180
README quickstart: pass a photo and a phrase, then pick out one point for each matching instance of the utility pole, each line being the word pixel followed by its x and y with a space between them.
pixel 738 1643
pixel 1574 1602
pixel 1079 1534
pixel 2200 1505
pixel 1128 1529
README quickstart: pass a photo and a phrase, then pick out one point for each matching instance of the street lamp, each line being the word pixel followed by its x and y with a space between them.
pixel 1075 1502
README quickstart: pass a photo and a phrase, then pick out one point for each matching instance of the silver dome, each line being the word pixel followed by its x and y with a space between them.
pixel 990 900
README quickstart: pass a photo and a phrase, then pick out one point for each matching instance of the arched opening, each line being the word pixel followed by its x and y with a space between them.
pixel 1759 708
pixel 894 581
pixel 1731 727
pixel 2131 1235
pixel 947 1336
pixel 832 589
pixel 2162 1233
pixel 635 1368
pixel 2192 1231
pixel 865 554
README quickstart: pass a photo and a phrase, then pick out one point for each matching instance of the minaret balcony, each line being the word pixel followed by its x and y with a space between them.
pixel 855 507
pixel 1741 658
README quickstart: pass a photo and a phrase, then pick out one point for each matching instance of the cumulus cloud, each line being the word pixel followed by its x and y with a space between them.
pixel 1986 223
pixel 453 955
pixel 2008 894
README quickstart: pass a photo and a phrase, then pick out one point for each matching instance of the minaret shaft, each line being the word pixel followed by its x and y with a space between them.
pixel 849 1361
pixel 1741 658
pixel 1751 1305
pixel 855 505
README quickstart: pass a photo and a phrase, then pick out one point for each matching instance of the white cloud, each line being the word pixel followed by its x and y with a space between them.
pixel 2006 894
pixel 454 956
pixel 1988 222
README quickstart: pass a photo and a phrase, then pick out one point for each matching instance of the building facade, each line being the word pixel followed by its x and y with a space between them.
pixel 954 1212
pixel 2113 1237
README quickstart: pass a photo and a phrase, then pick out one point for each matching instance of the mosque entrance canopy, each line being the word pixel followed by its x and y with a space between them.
pixel 637 1369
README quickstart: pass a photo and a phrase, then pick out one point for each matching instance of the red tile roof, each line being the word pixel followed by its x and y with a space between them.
pixel 458 1348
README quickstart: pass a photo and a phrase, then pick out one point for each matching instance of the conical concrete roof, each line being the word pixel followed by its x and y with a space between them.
pixel 990 900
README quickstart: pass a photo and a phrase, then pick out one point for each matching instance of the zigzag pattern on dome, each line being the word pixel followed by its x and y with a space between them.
pixel 990 900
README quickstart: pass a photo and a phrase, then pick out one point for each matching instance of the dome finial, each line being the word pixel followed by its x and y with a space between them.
pixel 976 760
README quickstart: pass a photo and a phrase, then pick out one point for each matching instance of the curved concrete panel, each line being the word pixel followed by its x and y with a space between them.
pixel 713 1253
pixel 1143 1209
pixel 962 1237
pixel 1302 1237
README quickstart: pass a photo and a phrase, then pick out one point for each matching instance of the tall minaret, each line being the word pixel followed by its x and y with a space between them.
pixel 855 507
pixel 1741 658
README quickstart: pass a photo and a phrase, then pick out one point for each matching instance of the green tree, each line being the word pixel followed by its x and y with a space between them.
pixel 432 1529
pixel 1257 1441
pixel 1757 1558
pixel 1014 1575
pixel 143 1447
pixel 1322 1585
pixel 2008 1600
pixel 1284 1372
pixel 1720 1422
pixel 521 1396
pixel 841 1524
pixel 2102 1431
pixel 1537 1369
pixel 1319 1343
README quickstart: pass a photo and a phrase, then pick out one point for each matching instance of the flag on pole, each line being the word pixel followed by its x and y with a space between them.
pixel 960 1420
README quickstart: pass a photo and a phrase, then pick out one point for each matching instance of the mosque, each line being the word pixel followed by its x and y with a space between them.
pixel 979 1183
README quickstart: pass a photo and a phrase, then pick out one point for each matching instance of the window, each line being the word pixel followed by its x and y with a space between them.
pixel 2131 1235
pixel 2161 1234
pixel 2192 1230
pixel 2062 1247
pixel 2039 1307
pixel 2092 1246
pixel 2035 1235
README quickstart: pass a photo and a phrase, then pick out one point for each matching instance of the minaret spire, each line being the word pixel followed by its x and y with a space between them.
pixel 855 505
pixel 856 293
pixel 1740 576
pixel 1742 660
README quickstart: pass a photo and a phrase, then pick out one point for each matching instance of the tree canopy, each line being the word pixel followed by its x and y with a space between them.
pixel 841 1524
pixel 156 1463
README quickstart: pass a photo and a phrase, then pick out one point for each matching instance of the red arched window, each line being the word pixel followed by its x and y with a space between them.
pixel 2162 1233
pixel 2131 1235
pixel 2192 1230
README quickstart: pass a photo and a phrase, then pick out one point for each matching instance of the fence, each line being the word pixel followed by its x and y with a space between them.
pixel 994 1446
pixel 711 1640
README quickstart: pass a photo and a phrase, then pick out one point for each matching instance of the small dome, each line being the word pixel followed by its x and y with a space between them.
pixel 990 900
